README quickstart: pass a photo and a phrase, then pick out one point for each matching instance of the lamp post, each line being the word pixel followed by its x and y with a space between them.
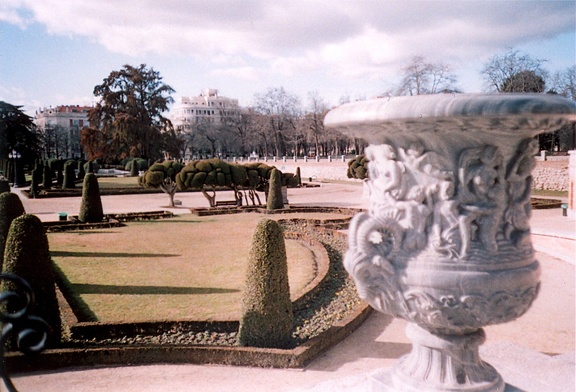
pixel 14 156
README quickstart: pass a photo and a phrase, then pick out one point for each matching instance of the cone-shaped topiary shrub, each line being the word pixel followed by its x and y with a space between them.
pixel 89 167
pixel 46 177
pixel 81 170
pixel 274 201
pixel 69 175
pixel 4 184
pixel 91 207
pixel 298 177
pixel 10 208
pixel 134 168
pixel 27 255
pixel 34 183
pixel 266 308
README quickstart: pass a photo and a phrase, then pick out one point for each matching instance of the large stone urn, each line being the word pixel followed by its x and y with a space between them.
pixel 446 241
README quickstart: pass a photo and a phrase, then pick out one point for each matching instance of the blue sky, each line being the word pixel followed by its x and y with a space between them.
pixel 54 52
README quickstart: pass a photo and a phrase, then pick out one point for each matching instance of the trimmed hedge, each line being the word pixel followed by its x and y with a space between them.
pixel 4 184
pixel 27 255
pixel 11 207
pixel 267 316
pixel 69 175
pixel 358 168
pixel 91 208
pixel 275 201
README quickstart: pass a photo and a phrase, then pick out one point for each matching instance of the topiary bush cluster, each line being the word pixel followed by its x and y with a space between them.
pixel 267 317
pixel 171 175
pixel 163 176
pixel 215 172
pixel 358 168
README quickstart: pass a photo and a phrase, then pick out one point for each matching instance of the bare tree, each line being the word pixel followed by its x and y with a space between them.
pixel 314 119
pixel 564 83
pixel 514 71
pixel 281 109
pixel 421 77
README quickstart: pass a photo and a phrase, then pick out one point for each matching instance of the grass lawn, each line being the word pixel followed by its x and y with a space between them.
pixel 184 268
pixel 117 182
pixel 544 192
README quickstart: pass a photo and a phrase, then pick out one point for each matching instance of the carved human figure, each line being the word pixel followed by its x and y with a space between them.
pixel 445 228
pixel 519 182
pixel 385 172
pixel 482 196
pixel 414 218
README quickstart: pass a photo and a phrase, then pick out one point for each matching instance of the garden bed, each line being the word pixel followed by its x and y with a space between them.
pixel 109 221
pixel 327 311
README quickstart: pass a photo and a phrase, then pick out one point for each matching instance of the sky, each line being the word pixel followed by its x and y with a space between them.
pixel 53 52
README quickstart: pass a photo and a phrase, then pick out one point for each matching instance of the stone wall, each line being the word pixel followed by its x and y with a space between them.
pixel 551 175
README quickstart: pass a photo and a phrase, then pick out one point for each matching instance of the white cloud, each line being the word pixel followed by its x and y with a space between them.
pixel 249 39
pixel 243 73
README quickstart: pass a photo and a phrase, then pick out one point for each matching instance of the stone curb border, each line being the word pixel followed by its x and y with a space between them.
pixel 56 359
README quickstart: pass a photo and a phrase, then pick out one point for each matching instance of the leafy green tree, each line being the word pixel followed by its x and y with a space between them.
pixel 18 132
pixel 128 118
pixel 267 317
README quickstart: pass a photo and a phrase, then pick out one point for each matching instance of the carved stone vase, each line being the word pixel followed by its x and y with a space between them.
pixel 446 241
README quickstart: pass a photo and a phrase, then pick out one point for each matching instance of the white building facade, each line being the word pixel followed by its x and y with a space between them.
pixel 208 107
pixel 61 126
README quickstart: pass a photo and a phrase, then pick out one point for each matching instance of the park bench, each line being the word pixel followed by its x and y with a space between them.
pixel 227 203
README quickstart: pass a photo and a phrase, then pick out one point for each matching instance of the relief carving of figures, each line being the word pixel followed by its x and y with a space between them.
pixel 519 181
pixel 404 181
pixel 482 196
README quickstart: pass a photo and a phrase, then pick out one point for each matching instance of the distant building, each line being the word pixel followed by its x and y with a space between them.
pixel 61 127
pixel 208 107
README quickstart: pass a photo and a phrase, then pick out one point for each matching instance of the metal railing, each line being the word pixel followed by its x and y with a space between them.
pixel 31 332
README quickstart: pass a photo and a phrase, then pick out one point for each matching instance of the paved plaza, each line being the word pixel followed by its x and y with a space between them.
pixel 533 353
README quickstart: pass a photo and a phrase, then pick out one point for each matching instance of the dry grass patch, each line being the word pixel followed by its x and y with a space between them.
pixel 186 268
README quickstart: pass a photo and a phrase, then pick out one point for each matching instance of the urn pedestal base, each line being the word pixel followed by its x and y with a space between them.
pixel 446 242
pixel 441 363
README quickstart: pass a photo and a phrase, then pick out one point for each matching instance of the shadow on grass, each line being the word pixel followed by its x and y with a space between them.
pixel 81 288
pixel 58 253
